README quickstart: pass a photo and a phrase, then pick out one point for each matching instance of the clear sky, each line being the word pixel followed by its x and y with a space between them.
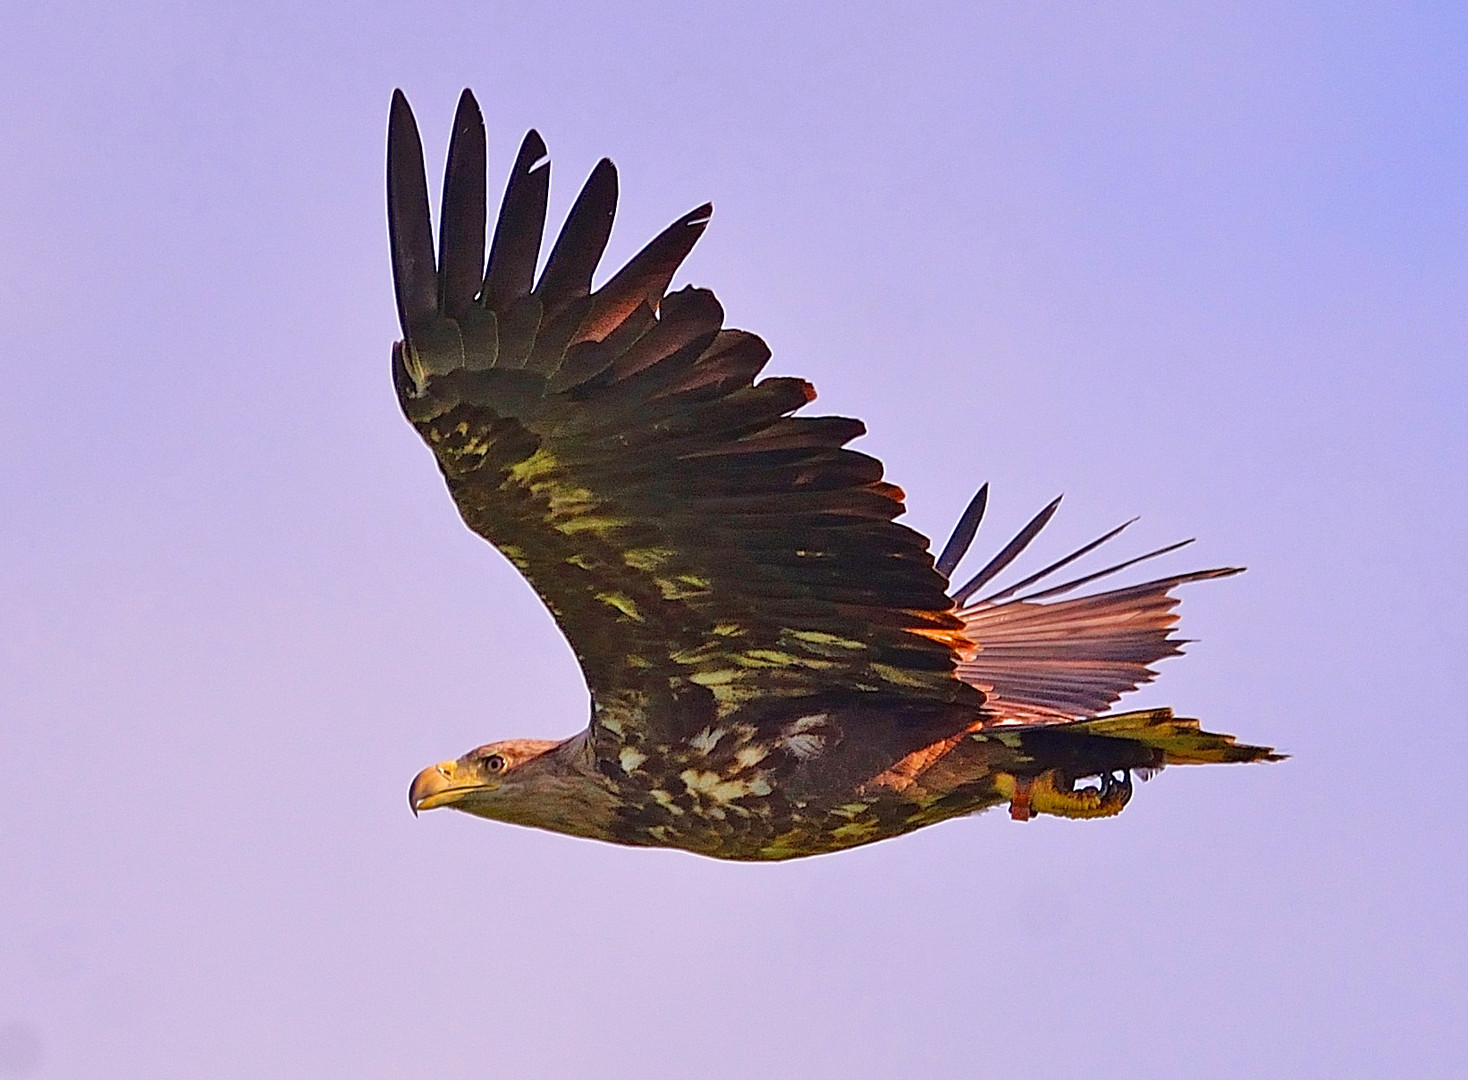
pixel 1202 262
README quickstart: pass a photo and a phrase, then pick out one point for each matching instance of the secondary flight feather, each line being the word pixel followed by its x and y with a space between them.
pixel 777 667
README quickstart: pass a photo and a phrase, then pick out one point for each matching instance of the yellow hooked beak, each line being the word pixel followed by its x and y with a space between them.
pixel 442 784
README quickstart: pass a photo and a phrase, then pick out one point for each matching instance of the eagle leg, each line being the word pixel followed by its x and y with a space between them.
pixel 1054 792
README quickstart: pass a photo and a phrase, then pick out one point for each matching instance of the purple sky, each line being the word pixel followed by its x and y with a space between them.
pixel 1199 262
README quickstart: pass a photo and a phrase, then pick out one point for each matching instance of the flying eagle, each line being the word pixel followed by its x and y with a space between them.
pixel 777 668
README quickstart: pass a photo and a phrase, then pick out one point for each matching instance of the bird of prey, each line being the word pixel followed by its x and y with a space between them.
pixel 777 668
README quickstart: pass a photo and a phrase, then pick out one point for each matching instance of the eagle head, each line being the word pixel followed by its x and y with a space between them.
pixel 485 776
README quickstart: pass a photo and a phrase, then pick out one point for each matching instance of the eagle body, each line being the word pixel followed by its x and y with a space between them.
pixel 777 667
pixel 773 784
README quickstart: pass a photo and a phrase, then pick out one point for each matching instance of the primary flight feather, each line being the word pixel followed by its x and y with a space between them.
pixel 777 667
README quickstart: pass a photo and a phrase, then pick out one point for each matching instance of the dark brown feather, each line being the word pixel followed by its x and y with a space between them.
pixel 1011 551
pixel 461 231
pixel 583 238
pixel 517 232
pixel 646 276
pixel 963 533
pixel 410 231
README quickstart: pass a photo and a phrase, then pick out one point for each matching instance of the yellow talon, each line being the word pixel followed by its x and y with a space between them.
pixel 1053 793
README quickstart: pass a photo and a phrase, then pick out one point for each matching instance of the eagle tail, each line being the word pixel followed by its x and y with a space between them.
pixel 1178 740
pixel 1055 763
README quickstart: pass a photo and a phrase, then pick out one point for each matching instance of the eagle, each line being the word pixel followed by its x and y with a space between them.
pixel 777 668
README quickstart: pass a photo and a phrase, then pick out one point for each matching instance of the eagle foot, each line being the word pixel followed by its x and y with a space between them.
pixel 1053 792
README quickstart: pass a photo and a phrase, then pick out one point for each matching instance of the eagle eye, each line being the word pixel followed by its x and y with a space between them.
pixel 495 763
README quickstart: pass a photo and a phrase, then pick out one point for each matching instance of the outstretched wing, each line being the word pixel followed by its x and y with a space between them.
pixel 1040 660
pixel 699 546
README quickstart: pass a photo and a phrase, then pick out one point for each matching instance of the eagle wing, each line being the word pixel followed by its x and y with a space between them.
pixel 699 545
pixel 1044 661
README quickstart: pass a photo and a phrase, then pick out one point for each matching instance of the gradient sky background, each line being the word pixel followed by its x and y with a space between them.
pixel 1202 262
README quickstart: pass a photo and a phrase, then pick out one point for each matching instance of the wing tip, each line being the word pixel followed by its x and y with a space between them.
pixel 410 228
pixel 533 152
pixel 963 533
